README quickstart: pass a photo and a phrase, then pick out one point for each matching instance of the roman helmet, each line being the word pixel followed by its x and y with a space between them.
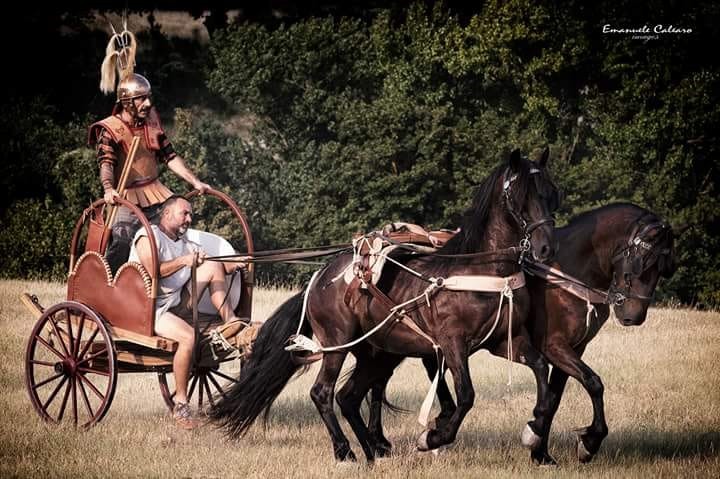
pixel 133 86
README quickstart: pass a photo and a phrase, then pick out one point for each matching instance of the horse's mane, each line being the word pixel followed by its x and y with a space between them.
pixel 475 218
pixel 590 215
pixel 630 214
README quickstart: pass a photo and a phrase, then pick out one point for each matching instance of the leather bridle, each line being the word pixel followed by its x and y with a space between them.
pixel 527 227
pixel 635 255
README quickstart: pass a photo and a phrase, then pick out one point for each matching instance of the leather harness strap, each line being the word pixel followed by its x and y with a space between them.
pixel 564 281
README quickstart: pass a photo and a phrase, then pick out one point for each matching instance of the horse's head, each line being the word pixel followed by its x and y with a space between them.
pixel 647 254
pixel 531 197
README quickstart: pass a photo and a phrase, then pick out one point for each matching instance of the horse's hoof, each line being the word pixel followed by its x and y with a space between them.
pixel 383 452
pixel 543 460
pixel 529 439
pixel 422 443
pixel 583 454
pixel 440 450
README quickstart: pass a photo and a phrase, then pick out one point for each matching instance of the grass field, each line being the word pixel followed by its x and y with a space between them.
pixel 662 396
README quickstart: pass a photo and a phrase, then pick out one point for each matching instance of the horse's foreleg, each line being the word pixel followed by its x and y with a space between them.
pixel 322 394
pixel 456 357
pixel 447 404
pixel 558 380
pixel 565 358
pixel 534 435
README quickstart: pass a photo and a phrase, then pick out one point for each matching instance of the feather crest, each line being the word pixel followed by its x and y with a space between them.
pixel 119 59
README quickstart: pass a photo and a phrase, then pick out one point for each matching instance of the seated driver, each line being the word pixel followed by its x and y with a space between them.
pixel 176 255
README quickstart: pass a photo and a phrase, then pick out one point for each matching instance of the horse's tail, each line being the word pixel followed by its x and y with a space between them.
pixel 265 375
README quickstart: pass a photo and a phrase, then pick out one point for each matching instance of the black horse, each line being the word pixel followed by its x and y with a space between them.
pixel 513 204
pixel 620 251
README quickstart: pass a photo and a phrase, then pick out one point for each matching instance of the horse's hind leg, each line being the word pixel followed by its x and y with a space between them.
pixel 377 436
pixel 382 446
pixel 368 372
pixel 322 394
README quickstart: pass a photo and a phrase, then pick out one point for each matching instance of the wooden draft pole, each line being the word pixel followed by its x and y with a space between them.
pixel 121 191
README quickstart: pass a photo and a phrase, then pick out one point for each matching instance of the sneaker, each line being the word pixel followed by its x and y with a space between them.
pixel 183 416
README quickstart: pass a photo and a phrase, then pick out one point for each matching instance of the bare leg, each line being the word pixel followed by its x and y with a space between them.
pixel 212 274
pixel 171 326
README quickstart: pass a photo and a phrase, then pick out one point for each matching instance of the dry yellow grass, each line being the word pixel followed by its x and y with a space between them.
pixel 662 401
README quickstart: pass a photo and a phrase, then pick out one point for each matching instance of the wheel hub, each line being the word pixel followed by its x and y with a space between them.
pixel 67 366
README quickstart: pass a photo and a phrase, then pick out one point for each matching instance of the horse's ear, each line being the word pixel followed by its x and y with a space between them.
pixel 515 158
pixel 544 157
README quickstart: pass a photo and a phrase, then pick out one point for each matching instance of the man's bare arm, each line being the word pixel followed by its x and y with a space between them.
pixel 167 268
pixel 178 166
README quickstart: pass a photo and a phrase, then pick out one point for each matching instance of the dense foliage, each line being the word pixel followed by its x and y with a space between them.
pixel 334 125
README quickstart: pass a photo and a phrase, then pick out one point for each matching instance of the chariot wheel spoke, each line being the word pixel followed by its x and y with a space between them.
pixel 53 394
pixel 44 382
pixel 86 401
pixel 42 363
pixel 207 389
pixel 79 334
pixel 216 384
pixel 64 401
pixel 73 381
pixel 94 371
pixel 93 356
pixel 92 386
pixel 201 387
pixel 71 339
pixel 50 347
pixel 224 376
pixel 88 343
pixel 57 333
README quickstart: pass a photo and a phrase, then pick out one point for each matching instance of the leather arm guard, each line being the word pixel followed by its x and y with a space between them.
pixel 106 159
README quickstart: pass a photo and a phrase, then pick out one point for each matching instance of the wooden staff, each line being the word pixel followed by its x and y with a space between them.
pixel 121 191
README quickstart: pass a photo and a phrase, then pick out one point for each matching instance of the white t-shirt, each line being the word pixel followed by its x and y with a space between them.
pixel 170 287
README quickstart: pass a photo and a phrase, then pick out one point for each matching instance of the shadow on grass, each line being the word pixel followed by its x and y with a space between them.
pixel 297 415
pixel 662 444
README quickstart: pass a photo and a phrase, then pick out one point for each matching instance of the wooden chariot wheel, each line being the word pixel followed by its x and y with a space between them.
pixel 204 384
pixel 70 359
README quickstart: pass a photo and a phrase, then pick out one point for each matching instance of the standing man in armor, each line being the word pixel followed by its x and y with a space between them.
pixel 133 115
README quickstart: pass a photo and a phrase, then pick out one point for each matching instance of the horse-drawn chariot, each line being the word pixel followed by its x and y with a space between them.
pixel 105 326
